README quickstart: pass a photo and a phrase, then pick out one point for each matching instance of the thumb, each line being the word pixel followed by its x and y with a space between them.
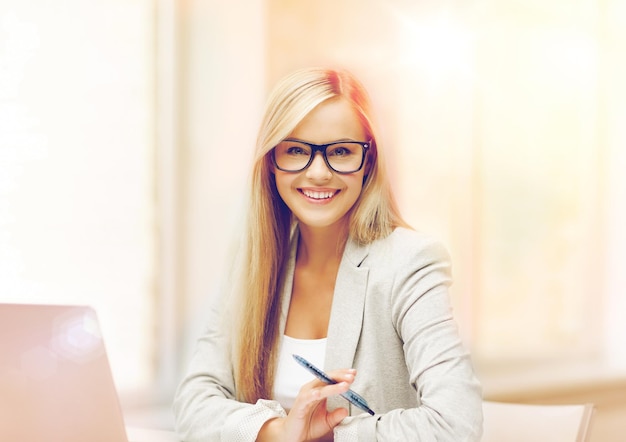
pixel 336 416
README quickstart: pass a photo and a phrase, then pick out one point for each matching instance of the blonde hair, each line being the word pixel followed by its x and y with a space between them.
pixel 270 221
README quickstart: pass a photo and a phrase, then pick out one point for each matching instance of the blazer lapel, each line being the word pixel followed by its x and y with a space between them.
pixel 346 317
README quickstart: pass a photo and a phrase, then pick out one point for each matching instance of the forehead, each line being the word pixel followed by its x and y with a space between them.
pixel 331 120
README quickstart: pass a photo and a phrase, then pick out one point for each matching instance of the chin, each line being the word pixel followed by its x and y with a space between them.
pixel 323 223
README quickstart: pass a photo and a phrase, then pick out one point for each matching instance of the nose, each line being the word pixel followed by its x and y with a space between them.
pixel 318 170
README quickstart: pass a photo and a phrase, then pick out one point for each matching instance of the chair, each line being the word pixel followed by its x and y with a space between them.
pixel 508 422
pixel 137 434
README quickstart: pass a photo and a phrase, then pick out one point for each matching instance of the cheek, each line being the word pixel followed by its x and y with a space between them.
pixel 355 186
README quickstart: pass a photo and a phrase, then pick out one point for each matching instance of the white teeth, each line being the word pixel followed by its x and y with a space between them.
pixel 318 195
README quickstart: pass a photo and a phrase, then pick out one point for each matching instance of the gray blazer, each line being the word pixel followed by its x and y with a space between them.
pixel 391 320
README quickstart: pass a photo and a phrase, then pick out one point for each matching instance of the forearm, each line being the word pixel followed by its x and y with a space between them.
pixel 271 431
pixel 218 419
pixel 274 431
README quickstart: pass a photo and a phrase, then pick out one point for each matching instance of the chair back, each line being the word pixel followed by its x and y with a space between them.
pixel 509 422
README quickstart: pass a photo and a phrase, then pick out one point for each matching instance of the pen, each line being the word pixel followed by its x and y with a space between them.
pixel 350 395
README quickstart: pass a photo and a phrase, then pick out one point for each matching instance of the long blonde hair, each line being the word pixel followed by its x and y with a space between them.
pixel 270 221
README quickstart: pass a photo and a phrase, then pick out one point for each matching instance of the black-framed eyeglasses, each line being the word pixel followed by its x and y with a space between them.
pixel 345 157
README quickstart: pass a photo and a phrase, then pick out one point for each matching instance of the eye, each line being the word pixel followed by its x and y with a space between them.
pixel 293 149
pixel 341 150
pixel 296 150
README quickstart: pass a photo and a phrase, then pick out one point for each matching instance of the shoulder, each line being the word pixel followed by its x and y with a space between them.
pixel 406 245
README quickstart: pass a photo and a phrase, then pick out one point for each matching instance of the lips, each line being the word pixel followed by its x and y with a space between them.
pixel 318 195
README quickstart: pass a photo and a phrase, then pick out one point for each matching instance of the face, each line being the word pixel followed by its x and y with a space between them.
pixel 318 196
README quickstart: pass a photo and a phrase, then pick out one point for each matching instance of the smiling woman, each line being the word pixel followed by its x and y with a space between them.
pixel 330 269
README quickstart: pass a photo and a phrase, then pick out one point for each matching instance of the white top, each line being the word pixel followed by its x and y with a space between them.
pixel 291 376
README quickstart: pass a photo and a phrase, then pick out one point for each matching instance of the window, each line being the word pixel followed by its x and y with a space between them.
pixel 77 204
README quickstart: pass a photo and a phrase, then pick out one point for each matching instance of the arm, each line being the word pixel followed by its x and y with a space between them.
pixel 440 372
pixel 205 407
pixel 206 410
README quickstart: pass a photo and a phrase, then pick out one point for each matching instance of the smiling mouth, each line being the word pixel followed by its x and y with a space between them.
pixel 318 195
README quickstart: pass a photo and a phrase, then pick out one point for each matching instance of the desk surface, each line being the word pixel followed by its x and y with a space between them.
pixel 136 434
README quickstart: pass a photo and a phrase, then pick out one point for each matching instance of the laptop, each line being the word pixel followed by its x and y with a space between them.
pixel 55 380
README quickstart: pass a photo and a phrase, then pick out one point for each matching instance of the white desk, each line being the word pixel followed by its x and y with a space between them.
pixel 136 434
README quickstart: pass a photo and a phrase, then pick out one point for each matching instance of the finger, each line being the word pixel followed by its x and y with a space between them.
pixel 344 374
pixel 328 390
pixel 335 417
pixel 307 398
pixel 341 375
pixel 316 391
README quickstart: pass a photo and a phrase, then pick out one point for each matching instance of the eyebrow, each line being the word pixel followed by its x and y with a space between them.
pixel 341 140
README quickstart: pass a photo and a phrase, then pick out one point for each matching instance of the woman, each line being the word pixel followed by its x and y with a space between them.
pixel 330 272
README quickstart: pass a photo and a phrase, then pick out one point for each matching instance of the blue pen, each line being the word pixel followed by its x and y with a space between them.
pixel 350 395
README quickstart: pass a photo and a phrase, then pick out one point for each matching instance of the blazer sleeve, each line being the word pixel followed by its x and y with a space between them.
pixel 440 370
pixel 205 408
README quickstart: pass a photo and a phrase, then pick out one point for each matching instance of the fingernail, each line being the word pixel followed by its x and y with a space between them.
pixel 349 376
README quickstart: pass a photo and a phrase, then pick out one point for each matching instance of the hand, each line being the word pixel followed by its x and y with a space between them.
pixel 309 420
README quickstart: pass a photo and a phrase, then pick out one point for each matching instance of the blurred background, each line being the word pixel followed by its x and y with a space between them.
pixel 127 127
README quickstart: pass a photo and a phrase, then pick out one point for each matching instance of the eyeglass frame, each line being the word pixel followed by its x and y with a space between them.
pixel 365 146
